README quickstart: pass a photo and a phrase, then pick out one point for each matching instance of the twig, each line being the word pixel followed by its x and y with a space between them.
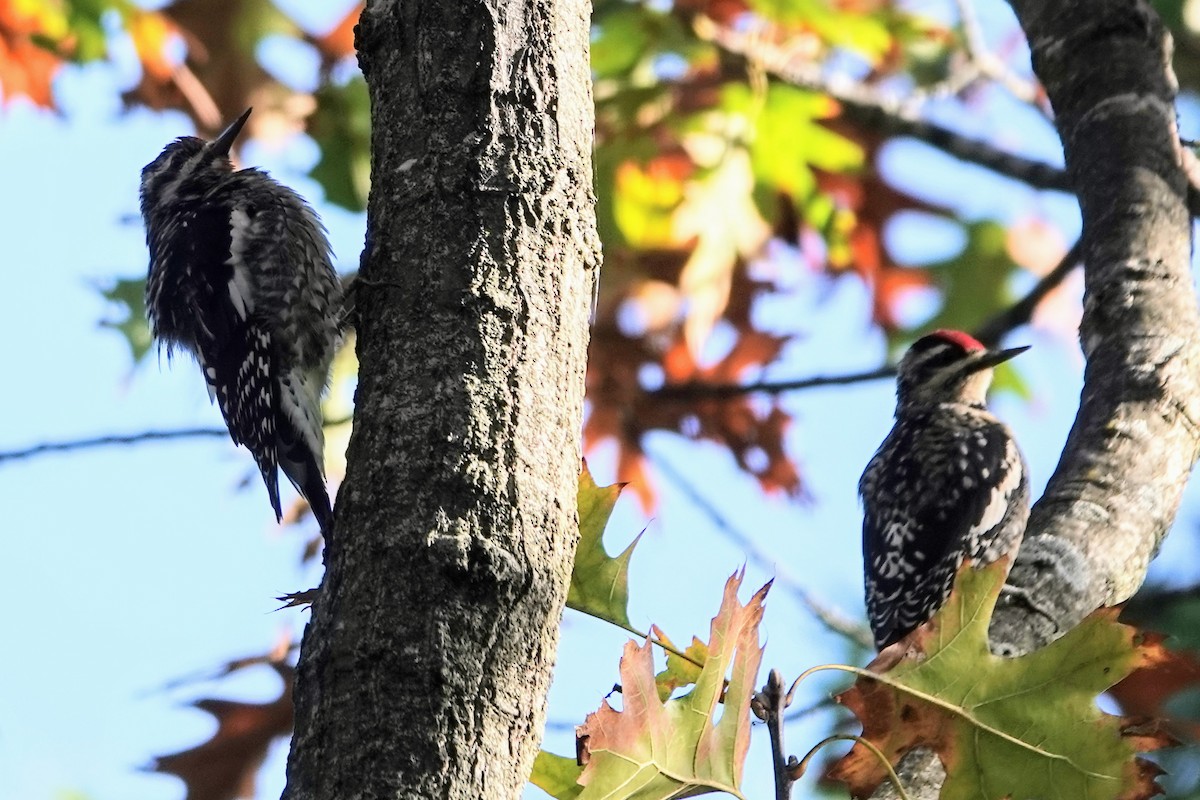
pixel 1021 312
pixel 698 389
pixel 106 441
pixel 95 442
pixel 769 705
pixel 204 108
pixel 986 62
pixel 991 332
pixel 870 107
pixel 832 618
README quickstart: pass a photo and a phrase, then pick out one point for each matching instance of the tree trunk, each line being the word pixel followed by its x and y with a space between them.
pixel 425 666
pixel 1105 65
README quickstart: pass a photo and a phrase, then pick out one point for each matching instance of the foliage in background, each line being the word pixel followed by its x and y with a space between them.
pixel 738 142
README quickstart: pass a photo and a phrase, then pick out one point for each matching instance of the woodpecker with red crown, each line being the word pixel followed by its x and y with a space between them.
pixel 241 277
pixel 948 483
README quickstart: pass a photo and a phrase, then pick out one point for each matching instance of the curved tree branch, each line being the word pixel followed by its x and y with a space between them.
pixel 1117 487
pixel 870 107
pixel 1106 67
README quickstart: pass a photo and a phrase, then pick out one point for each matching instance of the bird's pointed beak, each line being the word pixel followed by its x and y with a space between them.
pixel 990 358
pixel 223 143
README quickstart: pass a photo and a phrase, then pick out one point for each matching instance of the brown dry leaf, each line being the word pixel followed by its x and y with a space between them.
pixel 624 411
pixel 1146 691
pixel 225 767
pixel 298 599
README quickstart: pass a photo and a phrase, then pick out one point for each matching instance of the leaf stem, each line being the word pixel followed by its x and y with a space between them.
pixel 847 737
pixel 643 635
pixel 774 703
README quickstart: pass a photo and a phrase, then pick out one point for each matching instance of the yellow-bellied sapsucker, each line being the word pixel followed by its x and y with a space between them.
pixel 947 483
pixel 241 277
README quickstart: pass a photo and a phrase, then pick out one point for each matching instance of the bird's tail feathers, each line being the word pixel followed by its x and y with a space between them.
pixel 301 468
pixel 270 476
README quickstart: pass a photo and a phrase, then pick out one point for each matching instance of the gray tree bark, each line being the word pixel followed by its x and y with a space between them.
pixel 424 669
pixel 1106 67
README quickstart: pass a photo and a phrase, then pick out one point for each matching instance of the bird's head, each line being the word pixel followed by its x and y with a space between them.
pixel 182 167
pixel 948 366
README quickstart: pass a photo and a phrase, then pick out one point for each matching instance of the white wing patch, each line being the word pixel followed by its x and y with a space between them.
pixel 997 507
pixel 241 289
pixel 300 400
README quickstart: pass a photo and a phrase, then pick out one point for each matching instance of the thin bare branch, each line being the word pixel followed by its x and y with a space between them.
pixel 770 705
pixel 987 64
pixel 870 107
pixel 832 618
pixel 991 332
pixel 110 440
pixel 95 442
pixel 697 389
pixel 1021 312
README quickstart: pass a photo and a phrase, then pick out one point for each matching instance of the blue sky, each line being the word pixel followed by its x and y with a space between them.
pixel 128 567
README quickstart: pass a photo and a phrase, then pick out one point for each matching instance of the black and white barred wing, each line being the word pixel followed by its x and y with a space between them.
pixel 962 487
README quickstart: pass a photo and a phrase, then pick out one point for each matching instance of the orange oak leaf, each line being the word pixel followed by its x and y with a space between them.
pixel 26 68
pixel 624 408
pixel 338 43
pixel 1146 691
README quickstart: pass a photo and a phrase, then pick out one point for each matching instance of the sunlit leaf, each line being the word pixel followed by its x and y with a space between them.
pixel 557 776
pixel 654 749
pixel 646 197
pixel 1004 727
pixel 599 583
pixel 680 672
pixel 151 32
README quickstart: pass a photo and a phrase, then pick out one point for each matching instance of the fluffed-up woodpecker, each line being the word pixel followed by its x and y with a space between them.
pixel 241 277
pixel 948 483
